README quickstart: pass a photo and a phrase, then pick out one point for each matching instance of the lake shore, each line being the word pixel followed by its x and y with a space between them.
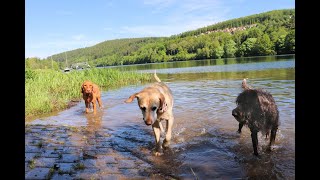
pixel 205 142
pixel 55 152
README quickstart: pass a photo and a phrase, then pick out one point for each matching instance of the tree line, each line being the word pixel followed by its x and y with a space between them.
pixel 269 33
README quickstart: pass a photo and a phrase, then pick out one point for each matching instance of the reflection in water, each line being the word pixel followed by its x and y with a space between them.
pixel 170 67
pixel 227 68
pixel 288 73
pixel 94 122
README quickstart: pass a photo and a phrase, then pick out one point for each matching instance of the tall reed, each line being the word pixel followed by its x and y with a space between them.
pixel 48 90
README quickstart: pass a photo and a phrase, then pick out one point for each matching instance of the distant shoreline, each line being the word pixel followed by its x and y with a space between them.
pixel 196 60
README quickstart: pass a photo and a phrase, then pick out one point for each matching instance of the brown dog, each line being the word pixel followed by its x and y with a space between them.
pixel 91 94
pixel 156 103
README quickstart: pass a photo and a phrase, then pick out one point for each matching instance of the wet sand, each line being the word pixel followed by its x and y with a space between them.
pixel 66 152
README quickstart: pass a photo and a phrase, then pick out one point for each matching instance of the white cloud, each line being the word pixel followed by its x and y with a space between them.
pixel 159 5
pixel 158 2
pixel 143 31
pixel 177 17
pixel 46 49
pixel 78 37
pixel 167 30
pixel 181 17
pixel 183 7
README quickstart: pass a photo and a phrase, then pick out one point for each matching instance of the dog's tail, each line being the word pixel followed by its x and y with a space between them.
pixel 156 77
pixel 245 86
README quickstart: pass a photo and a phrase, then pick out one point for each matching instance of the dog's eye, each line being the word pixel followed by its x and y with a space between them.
pixel 143 108
pixel 154 108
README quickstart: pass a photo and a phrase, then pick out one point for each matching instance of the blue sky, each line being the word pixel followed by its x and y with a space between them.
pixel 55 26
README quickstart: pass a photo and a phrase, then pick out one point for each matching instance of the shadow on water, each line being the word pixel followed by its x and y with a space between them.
pixel 94 122
pixel 205 142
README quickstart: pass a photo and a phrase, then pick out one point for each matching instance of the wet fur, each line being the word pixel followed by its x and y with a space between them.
pixel 257 109
pixel 156 104
pixel 91 94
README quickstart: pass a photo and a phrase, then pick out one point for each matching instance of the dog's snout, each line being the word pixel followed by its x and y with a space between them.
pixel 234 113
pixel 148 122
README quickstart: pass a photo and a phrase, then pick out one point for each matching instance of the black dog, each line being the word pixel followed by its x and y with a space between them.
pixel 257 109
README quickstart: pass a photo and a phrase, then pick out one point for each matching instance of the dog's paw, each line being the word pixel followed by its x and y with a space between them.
pixel 165 143
pixel 157 153
pixel 258 156
pixel 269 149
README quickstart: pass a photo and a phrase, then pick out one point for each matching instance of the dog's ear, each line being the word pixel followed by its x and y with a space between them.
pixel 131 98
pixel 163 105
pixel 94 89
pixel 82 90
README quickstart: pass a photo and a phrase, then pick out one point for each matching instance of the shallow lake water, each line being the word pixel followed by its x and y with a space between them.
pixel 205 142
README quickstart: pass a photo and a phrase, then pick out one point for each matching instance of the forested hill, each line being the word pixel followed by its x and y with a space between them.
pixel 284 18
pixel 113 49
pixel 268 33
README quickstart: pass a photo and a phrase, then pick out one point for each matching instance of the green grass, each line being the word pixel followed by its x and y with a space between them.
pixel 48 90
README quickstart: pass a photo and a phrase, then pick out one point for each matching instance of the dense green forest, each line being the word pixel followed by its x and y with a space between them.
pixel 268 33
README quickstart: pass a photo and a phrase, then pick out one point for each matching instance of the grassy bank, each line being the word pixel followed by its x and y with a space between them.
pixel 47 90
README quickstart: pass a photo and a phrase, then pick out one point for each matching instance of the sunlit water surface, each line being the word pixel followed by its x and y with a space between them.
pixel 205 141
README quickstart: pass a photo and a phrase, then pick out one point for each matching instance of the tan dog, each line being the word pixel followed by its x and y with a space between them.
pixel 156 103
pixel 91 94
